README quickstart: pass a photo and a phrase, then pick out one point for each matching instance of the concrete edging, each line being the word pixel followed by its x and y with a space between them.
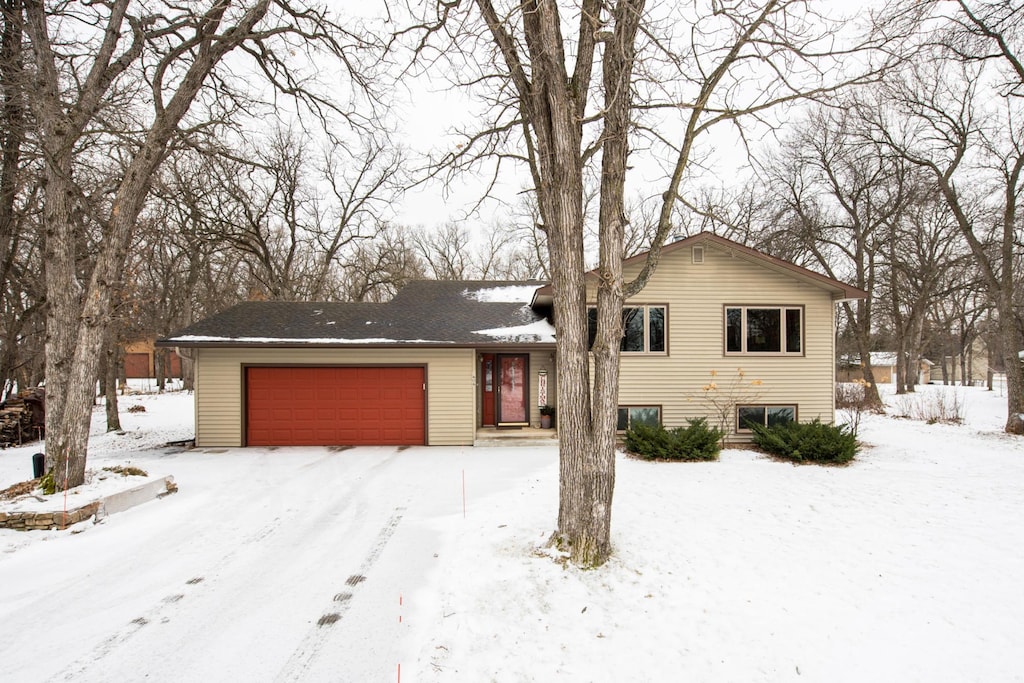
pixel 97 509
pixel 123 500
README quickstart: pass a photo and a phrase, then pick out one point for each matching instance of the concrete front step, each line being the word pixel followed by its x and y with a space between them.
pixel 528 436
pixel 514 443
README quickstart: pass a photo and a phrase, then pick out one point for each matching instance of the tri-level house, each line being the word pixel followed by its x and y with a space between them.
pixel 445 362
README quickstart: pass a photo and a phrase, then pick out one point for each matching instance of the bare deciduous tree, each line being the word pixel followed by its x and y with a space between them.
pixel 291 233
pixel 921 248
pixel 567 104
pixel 959 116
pixel 446 252
pixel 375 269
pixel 505 251
pixel 12 127
pixel 88 60
pixel 834 196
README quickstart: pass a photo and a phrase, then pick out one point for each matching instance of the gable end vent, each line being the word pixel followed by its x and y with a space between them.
pixel 698 254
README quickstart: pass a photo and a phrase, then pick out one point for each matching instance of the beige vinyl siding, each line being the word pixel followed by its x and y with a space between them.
pixel 541 360
pixel 696 296
pixel 449 372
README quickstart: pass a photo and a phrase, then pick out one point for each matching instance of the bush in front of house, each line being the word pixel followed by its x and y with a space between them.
pixel 695 442
pixel 807 442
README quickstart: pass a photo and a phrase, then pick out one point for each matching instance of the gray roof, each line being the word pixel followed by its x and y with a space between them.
pixel 424 313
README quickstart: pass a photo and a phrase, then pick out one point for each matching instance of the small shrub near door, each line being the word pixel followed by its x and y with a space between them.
pixel 807 442
pixel 695 442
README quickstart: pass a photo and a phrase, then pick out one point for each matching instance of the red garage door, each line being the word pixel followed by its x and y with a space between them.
pixel 335 406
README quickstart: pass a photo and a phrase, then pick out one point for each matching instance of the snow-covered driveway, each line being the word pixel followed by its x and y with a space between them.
pixel 324 566
pixel 287 564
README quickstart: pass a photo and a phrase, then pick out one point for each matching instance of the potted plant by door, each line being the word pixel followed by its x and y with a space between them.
pixel 547 414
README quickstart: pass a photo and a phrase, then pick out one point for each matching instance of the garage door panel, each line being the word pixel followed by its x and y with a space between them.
pixel 335 406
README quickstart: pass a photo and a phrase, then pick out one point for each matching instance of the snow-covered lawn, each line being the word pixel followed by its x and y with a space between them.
pixel 368 564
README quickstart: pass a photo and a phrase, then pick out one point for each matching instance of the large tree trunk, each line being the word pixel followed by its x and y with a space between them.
pixel 554 105
pixel 74 355
pixel 584 522
pixel 592 540
pixel 584 500
pixel 585 484
pixel 65 450
pixel 1012 344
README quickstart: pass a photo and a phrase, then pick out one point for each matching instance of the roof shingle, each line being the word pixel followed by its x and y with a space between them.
pixel 425 312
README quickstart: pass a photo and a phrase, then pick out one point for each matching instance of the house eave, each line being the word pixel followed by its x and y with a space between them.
pixel 239 344
pixel 840 291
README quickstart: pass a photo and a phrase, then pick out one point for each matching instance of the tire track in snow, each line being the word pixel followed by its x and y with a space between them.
pixel 80 666
pixel 303 657
pixel 157 612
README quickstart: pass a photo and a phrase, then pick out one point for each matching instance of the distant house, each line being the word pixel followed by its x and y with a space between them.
pixel 883 368
pixel 446 361
pixel 140 360
pixel 976 362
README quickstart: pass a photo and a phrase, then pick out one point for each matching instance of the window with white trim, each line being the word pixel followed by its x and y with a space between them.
pixel 634 415
pixel 643 329
pixel 764 329
pixel 766 415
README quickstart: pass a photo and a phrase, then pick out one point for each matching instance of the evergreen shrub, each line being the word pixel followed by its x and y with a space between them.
pixel 695 442
pixel 807 442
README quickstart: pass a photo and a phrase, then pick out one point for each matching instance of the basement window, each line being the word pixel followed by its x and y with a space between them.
pixel 633 415
pixel 763 415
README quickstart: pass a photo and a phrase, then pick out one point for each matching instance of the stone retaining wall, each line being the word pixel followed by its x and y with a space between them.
pixel 31 521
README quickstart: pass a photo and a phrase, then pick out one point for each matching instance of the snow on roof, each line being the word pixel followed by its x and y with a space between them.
pixel 510 294
pixel 290 340
pixel 539 331
pixel 880 358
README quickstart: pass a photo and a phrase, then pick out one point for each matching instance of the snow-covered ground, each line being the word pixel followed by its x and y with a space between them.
pixel 427 564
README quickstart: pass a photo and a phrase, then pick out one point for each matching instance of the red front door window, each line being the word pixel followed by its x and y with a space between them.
pixel 513 389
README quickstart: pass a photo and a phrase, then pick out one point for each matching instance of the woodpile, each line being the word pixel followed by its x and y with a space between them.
pixel 22 417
